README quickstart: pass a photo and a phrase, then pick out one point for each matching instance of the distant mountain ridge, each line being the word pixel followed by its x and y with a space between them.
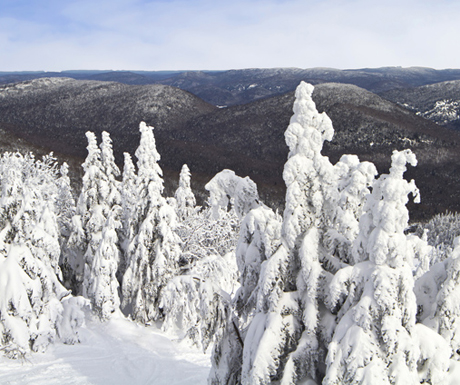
pixel 226 88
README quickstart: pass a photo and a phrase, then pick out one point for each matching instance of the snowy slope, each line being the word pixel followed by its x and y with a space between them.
pixel 117 352
pixel 438 102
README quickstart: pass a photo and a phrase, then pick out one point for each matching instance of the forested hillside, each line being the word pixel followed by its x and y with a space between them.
pixel 55 113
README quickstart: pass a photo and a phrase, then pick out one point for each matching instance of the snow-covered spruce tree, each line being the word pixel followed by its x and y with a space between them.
pixel 377 340
pixel 153 255
pixel 259 234
pixel 101 284
pixel 185 199
pixel 353 181
pixel 65 204
pixel 129 202
pixel 91 259
pixel 89 218
pixel 111 170
pixel 448 307
pixel 284 340
pixel 32 300
pixel 437 294
pixel 259 237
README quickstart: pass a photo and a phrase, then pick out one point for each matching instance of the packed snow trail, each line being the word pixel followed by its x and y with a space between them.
pixel 116 352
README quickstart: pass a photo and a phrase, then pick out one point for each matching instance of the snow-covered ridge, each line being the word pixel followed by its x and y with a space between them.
pixel 438 102
pixel 443 112
pixel 33 85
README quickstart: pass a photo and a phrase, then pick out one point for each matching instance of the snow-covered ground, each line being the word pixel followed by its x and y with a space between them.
pixel 116 352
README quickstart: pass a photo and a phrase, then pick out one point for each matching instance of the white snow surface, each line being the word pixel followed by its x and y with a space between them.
pixel 118 351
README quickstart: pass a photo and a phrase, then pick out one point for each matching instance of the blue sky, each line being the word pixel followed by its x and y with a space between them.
pixel 57 35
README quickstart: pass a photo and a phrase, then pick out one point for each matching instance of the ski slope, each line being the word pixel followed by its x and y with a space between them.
pixel 114 353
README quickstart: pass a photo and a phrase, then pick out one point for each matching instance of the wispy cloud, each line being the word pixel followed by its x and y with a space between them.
pixel 209 34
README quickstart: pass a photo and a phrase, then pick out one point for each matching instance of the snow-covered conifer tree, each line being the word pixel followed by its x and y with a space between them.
pixel 102 285
pixel 65 203
pixel 129 203
pixel 287 312
pixel 31 296
pixel 281 341
pixel 259 238
pixel 226 188
pixel 153 255
pixel 93 259
pixel 353 181
pixel 185 198
pixel 111 170
pixel 89 218
pixel 103 251
pixel 377 340
pixel 437 299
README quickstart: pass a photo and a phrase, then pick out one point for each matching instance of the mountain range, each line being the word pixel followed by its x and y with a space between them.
pixel 226 88
pixel 236 119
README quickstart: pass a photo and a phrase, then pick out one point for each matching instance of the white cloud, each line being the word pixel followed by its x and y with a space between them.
pixel 205 34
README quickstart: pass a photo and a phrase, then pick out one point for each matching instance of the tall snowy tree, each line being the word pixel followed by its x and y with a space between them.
pixel 65 204
pixel 153 255
pixel 32 300
pixel 259 238
pixel 101 281
pixel 185 198
pixel 89 218
pixel 100 284
pixel 94 249
pixel 129 203
pixel 437 299
pixel 353 181
pixel 111 170
pixel 377 340
pixel 291 279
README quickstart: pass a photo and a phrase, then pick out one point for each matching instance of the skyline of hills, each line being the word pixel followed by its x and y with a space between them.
pixel 239 86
